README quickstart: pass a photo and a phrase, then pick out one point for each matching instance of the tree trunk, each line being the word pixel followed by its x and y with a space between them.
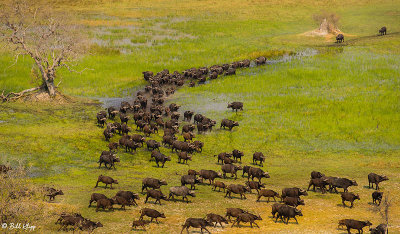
pixel 51 88
pixel 48 81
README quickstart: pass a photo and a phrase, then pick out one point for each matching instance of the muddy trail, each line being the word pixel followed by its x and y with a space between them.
pixel 354 41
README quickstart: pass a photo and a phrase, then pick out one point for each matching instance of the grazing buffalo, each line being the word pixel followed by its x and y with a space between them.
pixel 354 224
pixel 258 156
pixel 152 183
pixel 339 38
pixel 182 191
pixel 293 192
pixel 257 173
pixel 196 223
pixel 190 179
pixel 156 194
pixel 210 175
pixel 288 212
pixel 351 197
pixel 238 189
pixel 375 179
pixel 255 185
pixel 236 106
pixel 151 213
pixel 247 218
pixel 108 158
pixel 198 145
pixel 268 193
pixel 228 123
pixel 217 219
pixel 230 168
pixel 382 31
pixel 106 180
pixel 230 71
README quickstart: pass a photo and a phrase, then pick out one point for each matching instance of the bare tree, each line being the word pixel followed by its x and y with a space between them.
pixel 44 34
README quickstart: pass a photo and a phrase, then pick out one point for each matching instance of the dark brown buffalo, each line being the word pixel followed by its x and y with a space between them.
pixel 142 223
pixel 198 118
pixel 267 193
pixel 196 223
pixel 340 183
pixel 236 106
pixel 184 157
pixel 257 173
pixel 188 128
pixel 230 71
pixel 105 203
pixel 106 180
pixel 255 185
pixel 108 158
pixel 238 189
pixel 129 196
pixel 210 175
pixel 107 134
pixel 377 197
pixel 152 183
pixel 187 116
pixel 52 193
pixel 121 201
pixel 293 201
pixel 198 145
pixel 354 224
pixel 192 172
pixel 233 212
pixel 190 179
pixel 261 60
pixel 293 192
pixel 288 212
pixel 226 123
pixel 380 229
pixel 160 158
pixel 319 183
pixel 112 112
pixel 188 136
pixel 220 185
pixel 382 31
pixel 152 145
pixel 258 156
pixel 151 213
pixel 351 197
pixel 217 219
pixel 339 38
pixel 222 156
pixel 168 140
pixel 247 218
pixel 237 154
pixel 316 174
pixel 138 138
pixel 375 179
pixel 156 194
pixel 95 197
pixel 230 168
pixel 113 146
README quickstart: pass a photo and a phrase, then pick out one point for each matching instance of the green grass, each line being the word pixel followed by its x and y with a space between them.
pixel 336 112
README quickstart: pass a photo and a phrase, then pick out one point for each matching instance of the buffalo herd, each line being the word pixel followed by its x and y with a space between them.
pixel 340 37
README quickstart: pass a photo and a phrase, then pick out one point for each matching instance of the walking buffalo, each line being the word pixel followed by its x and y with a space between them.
pixel 375 179
pixel 220 185
pixel 258 156
pixel 106 180
pixel 377 197
pixel 108 158
pixel 382 31
pixel 293 192
pixel 354 224
pixel 210 175
pixel 237 154
pixel 238 189
pixel 229 124
pixel 288 212
pixel 95 197
pixel 247 218
pixel 318 182
pixel 255 185
pixel 152 183
pixel 351 197
pixel 293 201
pixel 196 223
pixel 257 173
pixel 182 191
pixel 233 212
pixel 184 157
pixel 190 179
pixel 187 116
pixel 151 213
pixel 339 38
pixel 230 168
pixel 217 219
pixel 236 106
pixel 156 194
pixel 267 193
